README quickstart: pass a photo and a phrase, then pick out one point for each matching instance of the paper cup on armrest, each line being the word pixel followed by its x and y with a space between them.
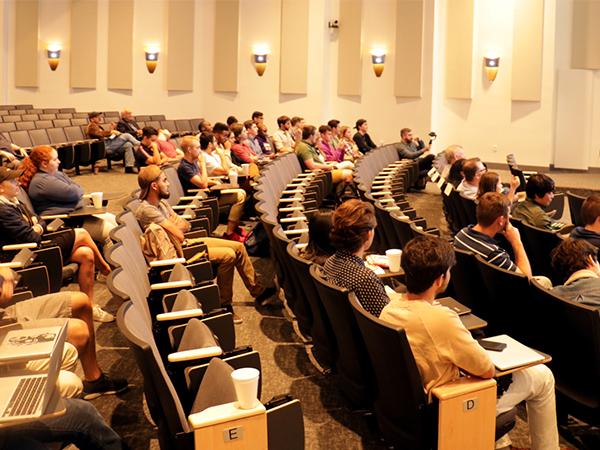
pixel 245 169
pixel 245 382
pixel 393 256
pixel 96 199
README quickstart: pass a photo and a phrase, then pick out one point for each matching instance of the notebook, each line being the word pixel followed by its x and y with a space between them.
pixel 455 306
pixel 31 396
pixel 514 355
pixel 26 344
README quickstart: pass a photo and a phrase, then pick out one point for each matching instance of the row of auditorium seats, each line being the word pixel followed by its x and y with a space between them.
pixel 176 327
pixel 371 361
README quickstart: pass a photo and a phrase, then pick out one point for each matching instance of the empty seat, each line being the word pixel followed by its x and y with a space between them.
pixel 7 107
pixel 158 117
pixel 35 111
pixel 47 116
pixel 30 117
pixel 64 115
pixel 167 124
pixel 43 124
pixel 183 125
pixel 142 118
pixel 16 112
pixel 80 115
pixel 25 125
pixel 67 110
pixel 11 118
pixel 79 121
pixel 51 110
pixel 5 127
pixel 61 123
pixel 23 107
pixel 575 202
pixel 20 138
pixel 39 137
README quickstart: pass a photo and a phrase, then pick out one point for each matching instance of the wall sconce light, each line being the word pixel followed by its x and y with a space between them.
pixel 53 50
pixel 260 53
pixel 490 65
pixel 152 51
pixel 378 60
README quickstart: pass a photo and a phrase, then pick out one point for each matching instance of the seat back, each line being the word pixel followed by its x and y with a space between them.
pixel 29 125
pixel 353 364
pixel 56 135
pixel 468 284
pixel 575 202
pixel 39 137
pixel 39 124
pixel 400 402
pixel 574 343
pixel 510 308
pixel 73 133
pixel 539 244
pixel 20 138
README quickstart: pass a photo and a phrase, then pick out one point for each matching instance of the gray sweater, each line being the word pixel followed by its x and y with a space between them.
pixel 581 288
pixel 54 194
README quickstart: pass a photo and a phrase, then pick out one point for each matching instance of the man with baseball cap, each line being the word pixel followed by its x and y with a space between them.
pixel 118 145
pixel 228 254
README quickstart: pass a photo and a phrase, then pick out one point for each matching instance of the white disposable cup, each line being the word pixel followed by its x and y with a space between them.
pixel 246 168
pixel 245 382
pixel 96 199
pixel 393 256
pixel 233 177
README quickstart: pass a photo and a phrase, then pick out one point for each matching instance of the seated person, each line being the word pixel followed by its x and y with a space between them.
pixel 118 145
pixel 575 261
pixel 326 145
pixel 444 160
pixel 313 160
pixel 319 246
pixel 352 235
pixel 231 120
pixel 254 142
pixel 80 425
pixel 442 346
pixel 347 144
pixel 52 310
pixel 336 131
pixel 229 255
pixel 472 171
pixel 53 192
pixel 490 182
pixel 204 126
pixel 411 147
pixel 166 147
pixel 492 219
pixel 297 124
pixel 540 192
pixel 148 151
pixel 10 153
pixel 223 143
pixel 240 149
pixel 127 124
pixel 590 216
pixel 282 138
pixel 265 141
pixel 361 138
pixel 192 173
pixel 18 225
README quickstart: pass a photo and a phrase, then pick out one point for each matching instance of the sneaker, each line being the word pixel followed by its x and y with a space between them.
pixel 236 319
pixel 264 298
pixel 99 315
pixel 103 386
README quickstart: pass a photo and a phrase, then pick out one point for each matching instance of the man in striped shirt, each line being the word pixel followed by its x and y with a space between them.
pixel 492 218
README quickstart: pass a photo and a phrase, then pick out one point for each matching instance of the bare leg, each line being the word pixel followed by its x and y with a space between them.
pixel 84 256
pixel 83 239
pixel 81 335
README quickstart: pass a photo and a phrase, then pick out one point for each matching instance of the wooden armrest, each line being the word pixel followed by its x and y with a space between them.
pixel 292 219
pixel 176 315
pixel 12 265
pixel 226 413
pixel 190 197
pixel 291 209
pixel 293 191
pixel 9 247
pixel 199 190
pixel 463 385
pixel 199 353
pixel 180 207
pixel 392 208
pixel 386 200
pixel 170 285
pixel 378 193
pixel 55 216
pixel 298 231
pixel 290 199
pixel 186 216
pixel 167 262
pixel 301 246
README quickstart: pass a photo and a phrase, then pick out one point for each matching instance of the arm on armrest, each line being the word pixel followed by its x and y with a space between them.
pixel 55 216
pixel 199 353
pixel 167 262
pixel 10 247
pixel 177 315
pixel 170 285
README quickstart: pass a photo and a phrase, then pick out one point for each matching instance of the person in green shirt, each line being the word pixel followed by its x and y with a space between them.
pixel 540 192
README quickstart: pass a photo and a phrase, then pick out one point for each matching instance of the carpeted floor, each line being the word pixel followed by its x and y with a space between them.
pixel 329 423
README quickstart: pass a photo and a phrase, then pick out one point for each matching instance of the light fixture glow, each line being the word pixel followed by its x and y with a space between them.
pixel 491 64
pixel 260 53
pixel 151 51
pixel 53 50
pixel 378 60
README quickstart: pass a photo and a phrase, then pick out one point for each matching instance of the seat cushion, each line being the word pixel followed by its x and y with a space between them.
pixel 216 387
pixel 185 300
pixel 196 335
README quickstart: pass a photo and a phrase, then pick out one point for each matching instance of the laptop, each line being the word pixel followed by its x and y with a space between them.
pixel 27 344
pixel 455 306
pixel 31 396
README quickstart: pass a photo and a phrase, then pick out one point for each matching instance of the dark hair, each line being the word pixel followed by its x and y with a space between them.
pixel 201 124
pixel 294 120
pixel 352 220
pixel 324 128
pixel 572 255
pixel 403 131
pixel 248 124
pixel 488 183
pixel 256 115
pixel 333 123
pixel 220 127
pixel 231 120
pixel 149 132
pixel 424 260
pixel 281 120
pixel 491 205
pixel 359 123
pixel 470 168
pixel 319 246
pixel 237 129
pixel 538 185
pixel 590 210
pixel 205 140
pixel 308 131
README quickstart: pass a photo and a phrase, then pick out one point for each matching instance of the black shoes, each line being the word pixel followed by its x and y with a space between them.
pixel 103 386
pixel 129 169
pixel 264 298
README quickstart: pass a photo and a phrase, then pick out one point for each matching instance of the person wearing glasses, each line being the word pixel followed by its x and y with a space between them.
pixel 472 171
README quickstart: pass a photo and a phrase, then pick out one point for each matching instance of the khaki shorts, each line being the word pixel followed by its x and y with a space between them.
pixel 48 306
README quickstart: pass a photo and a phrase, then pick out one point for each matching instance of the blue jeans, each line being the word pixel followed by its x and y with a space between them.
pixel 81 425
pixel 122 146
